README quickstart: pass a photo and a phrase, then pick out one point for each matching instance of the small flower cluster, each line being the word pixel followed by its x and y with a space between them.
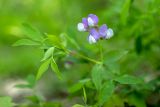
pixel 90 24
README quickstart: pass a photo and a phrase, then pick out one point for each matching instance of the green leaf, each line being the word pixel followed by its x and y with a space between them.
pixel 43 68
pixel 106 92
pixel 6 101
pixel 125 11
pixel 84 95
pixel 48 53
pixel 114 56
pixel 78 105
pixel 97 76
pixel 56 41
pixel 31 32
pixel 25 42
pixel 128 79
pixel 113 67
pixel 55 68
pixel 75 88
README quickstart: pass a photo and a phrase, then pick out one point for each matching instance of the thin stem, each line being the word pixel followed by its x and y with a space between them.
pixel 101 51
pixel 85 57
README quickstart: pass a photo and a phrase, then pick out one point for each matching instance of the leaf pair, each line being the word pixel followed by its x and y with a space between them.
pixel 44 67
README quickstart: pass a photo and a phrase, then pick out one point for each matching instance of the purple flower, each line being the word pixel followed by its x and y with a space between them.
pixel 92 20
pixel 94 36
pixel 90 24
pixel 84 25
pixel 103 31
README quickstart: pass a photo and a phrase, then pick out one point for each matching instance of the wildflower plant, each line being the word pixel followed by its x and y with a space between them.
pixel 105 76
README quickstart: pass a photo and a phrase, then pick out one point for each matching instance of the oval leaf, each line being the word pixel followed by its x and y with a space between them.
pixel 55 69
pixel 43 68
pixel 48 53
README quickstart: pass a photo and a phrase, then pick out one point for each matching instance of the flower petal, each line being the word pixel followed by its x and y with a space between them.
pixel 109 33
pixel 81 27
pixel 91 39
pixel 92 20
pixel 85 22
pixel 103 30
pixel 94 33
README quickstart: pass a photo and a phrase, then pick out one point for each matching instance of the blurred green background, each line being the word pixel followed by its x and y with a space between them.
pixel 135 24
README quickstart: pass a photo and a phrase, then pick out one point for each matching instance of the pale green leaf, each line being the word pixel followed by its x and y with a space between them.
pixel 128 79
pixel 6 101
pixel 55 68
pixel 31 32
pixel 106 92
pixel 43 68
pixel 48 53
pixel 25 42
pixel 97 76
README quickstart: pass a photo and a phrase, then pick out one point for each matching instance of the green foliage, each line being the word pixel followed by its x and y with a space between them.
pixel 55 68
pixel 56 41
pixel 128 79
pixel 114 56
pixel 106 92
pixel 136 27
pixel 97 76
pixel 43 68
pixel 48 53
pixel 25 42
pixel 84 95
pixel 125 11
pixel 32 33
pixel 75 88
pixel 6 102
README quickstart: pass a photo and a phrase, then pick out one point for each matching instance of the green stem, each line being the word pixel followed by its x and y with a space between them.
pixel 85 57
pixel 101 51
